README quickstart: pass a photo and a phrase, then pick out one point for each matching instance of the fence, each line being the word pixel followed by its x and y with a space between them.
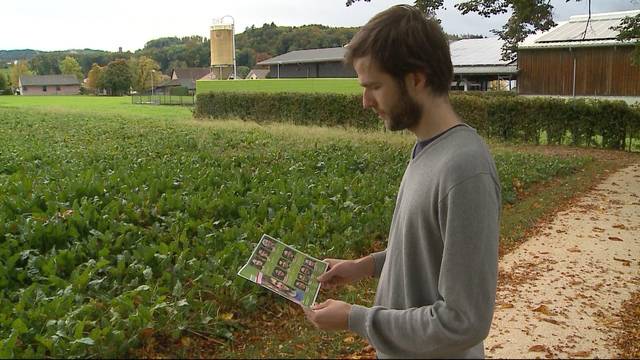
pixel 187 100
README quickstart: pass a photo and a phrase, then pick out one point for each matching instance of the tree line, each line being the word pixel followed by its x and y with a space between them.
pixel 154 62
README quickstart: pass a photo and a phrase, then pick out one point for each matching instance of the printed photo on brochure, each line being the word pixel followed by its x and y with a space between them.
pixel 284 270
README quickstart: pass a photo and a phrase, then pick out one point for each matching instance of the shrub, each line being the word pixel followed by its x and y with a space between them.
pixel 500 115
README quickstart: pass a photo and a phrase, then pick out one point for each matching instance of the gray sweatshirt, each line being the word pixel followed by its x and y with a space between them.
pixel 438 275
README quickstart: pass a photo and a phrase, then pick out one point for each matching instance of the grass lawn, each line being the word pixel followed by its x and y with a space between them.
pixel 94 105
pixel 342 86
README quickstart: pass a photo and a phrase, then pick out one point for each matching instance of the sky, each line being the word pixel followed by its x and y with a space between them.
pixel 107 25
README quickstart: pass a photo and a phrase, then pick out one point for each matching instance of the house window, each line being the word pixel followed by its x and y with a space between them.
pixel 24 88
pixel 58 88
pixel 44 88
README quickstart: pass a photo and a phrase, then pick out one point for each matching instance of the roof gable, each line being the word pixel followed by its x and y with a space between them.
pixel 191 73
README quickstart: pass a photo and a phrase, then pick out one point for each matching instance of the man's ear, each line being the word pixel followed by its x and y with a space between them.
pixel 416 80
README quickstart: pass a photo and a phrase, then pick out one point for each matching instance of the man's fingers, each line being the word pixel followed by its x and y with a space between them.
pixel 326 276
pixel 331 262
pixel 322 305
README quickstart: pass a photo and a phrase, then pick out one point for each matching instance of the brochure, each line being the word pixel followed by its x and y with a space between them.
pixel 284 270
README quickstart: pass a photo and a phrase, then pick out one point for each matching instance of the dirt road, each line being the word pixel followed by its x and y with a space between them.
pixel 559 292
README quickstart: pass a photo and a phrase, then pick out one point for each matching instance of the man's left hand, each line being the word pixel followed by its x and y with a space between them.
pixel 329 315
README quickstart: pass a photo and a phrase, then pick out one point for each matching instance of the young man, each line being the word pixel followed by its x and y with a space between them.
pixel 437 277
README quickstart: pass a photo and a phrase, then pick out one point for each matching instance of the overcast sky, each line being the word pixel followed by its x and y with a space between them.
pixel 106 25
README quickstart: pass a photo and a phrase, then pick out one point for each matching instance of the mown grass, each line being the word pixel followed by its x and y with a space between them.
pixel 341 86
pixel 123 225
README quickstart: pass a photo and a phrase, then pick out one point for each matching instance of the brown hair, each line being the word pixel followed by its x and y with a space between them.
pixel 402 40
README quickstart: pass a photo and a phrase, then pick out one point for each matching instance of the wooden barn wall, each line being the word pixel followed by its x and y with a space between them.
pixel 600 71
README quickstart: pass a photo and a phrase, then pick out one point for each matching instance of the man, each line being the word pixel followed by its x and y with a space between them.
pixel 437 277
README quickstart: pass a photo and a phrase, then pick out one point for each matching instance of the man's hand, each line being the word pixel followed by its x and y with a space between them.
pixel 346 271
pixel 329 315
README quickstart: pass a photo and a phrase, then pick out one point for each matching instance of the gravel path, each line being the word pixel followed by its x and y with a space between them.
pixel 558 292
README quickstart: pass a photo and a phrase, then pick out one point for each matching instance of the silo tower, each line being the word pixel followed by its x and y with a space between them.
pixel 223 48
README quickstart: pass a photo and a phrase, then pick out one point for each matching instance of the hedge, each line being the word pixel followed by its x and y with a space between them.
pixel 511 118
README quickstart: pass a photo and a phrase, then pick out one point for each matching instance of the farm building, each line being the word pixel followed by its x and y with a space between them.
pixel 185 78
pixel 48 85
pixel 476 62
pixel 313 63
pixel 580 57
pixel 256 74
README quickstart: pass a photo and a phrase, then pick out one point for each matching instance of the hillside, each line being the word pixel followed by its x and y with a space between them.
pixel 253 45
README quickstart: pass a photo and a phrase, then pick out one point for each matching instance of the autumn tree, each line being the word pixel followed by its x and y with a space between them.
pixel 144 72
pixel 95 78
pixel 18 69
pixel 70 66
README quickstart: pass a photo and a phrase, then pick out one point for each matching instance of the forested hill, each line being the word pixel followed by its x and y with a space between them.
pixel 258 43
pixel 253 45
pixel 10 55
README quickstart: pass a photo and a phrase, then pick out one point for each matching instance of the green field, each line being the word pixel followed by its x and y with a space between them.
pixel 119 222
pixel 342 86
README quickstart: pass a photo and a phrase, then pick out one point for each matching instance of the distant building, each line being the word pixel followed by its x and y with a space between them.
pixel 48 85
pixel 256 74
pixel 190 73
pixel 314 63
pixel 478 62
pixel 579 57
pixel 185 77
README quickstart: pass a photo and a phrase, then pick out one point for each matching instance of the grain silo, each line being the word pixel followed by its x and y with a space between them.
pixel 223 50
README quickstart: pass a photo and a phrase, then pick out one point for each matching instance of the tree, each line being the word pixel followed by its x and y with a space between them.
pixel 18 69
pixel 46 63
pixel 144 72
pixel 117 77
pixel 70 66
pixel 527 17
pixel 629 30
pixel 3 83
pixel 95 79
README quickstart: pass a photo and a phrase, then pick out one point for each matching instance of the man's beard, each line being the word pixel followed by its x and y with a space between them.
pixel 405 113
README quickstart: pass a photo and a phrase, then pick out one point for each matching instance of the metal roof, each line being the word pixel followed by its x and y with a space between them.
pixel 43 80
pixel 486 70
pixel 307 56
pixel 192 73
pixel 463 53
pixel 578 33
pixel 260 73
pixel 486 51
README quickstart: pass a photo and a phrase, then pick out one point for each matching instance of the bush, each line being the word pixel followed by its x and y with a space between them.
pixel 179 91
pixel 501 115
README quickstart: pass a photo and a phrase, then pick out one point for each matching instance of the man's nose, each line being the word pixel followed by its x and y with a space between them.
pixel 367 100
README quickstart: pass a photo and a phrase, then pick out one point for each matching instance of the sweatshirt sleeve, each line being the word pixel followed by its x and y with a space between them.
pixel 461 317
pixel 378 261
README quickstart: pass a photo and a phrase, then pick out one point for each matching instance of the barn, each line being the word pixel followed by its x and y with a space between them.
pixel 476 63
pixel 579 57
pixel 313 63
pixel 48 85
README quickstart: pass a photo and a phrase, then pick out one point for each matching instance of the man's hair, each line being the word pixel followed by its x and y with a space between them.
pixel 402 40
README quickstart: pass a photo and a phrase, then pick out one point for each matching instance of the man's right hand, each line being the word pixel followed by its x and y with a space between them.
pixel 346 271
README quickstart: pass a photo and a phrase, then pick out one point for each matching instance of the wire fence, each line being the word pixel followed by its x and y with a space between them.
pixel 187 100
